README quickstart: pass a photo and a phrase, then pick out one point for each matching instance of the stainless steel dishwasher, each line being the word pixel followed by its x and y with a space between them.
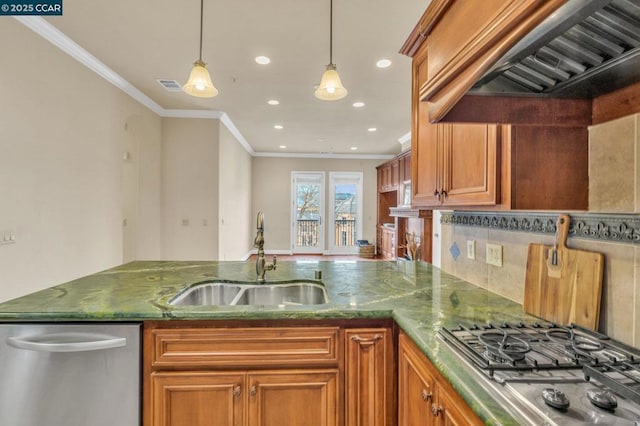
pixel 69 374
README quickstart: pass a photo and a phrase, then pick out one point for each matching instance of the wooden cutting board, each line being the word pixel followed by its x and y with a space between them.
pixel 567 290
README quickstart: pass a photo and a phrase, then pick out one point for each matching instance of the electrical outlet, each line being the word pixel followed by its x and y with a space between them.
pixel 471 249
pixel 7 237
pixel 494 254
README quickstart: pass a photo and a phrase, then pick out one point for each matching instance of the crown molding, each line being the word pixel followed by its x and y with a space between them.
pixel 331 156
pixel 56 37
pixel 50 33
pixel 404 138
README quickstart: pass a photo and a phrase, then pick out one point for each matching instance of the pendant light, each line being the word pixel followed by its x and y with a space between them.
pixel 330 88
pixel 200 84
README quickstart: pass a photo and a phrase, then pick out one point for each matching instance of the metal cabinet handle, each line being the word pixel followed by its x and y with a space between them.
pixel 444 195
pixel 237 390
pixel 254 390
pixel 373 339
pixel 436 410
pixel 67 342
pixel 426 396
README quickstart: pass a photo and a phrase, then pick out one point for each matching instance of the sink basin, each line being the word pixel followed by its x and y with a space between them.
pixel 226 293
pixel 209 293
pixel 283 294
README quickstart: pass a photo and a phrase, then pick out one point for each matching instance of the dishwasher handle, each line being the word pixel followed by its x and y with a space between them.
pixel 67 342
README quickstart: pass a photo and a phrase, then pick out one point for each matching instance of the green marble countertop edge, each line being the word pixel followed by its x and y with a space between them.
pixel 418 296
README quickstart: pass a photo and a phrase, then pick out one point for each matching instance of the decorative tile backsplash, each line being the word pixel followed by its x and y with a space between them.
pixel 623 228
pixel 614 235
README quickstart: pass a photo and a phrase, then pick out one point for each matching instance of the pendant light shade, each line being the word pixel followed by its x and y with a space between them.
pixel 330 87
pixel 199 83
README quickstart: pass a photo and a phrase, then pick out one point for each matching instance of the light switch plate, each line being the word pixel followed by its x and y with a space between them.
pixel 494 254
pixel 471 249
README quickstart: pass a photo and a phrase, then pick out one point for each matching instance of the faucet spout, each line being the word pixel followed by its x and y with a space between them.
pixel 258 242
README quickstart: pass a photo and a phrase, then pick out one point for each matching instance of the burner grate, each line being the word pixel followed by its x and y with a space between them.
pixel 623 377
pixel 548 346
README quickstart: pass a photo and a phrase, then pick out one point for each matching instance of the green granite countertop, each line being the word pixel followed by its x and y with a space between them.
pixel 419 297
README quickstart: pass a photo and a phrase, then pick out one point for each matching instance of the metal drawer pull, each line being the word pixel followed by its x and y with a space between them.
pixel 237 390
pixel 67 342
pixel 426 396
pixel 373 339
pixel 253 391
pixel 436 410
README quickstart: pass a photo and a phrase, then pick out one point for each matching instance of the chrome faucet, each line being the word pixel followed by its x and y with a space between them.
pixel 261 266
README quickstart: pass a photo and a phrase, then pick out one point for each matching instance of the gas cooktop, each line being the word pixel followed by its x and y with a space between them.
pixel 557 374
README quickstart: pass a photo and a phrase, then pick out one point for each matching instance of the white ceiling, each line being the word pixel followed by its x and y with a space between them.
pixel 145 40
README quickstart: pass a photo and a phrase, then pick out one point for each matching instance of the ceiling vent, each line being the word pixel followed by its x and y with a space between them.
pixel 170 85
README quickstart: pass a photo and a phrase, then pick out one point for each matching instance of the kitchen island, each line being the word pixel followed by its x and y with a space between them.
pixel 417 296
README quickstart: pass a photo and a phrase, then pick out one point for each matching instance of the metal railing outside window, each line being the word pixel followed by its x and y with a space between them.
pixel 307 232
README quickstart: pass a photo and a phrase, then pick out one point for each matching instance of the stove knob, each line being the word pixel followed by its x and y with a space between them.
pixel 603 399
pixel 555 398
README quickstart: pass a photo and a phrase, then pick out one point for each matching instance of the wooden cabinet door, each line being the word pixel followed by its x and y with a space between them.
pixel 427 167
pixel 395 175
pixel 368 377
pixel 388 243
pixel 197 399
pixel 416 387
pixel 449 411
pixel 470 169
pixel 293 398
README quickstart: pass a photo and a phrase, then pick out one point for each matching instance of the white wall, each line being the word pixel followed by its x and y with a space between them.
pixel 190 188
pixel 272 193
pixel 236 226
pixel 61 183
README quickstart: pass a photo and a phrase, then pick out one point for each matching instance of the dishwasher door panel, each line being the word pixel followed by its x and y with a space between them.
pixel 69 375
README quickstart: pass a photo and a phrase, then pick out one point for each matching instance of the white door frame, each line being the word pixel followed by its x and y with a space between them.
pixel 331 219
pixel 314 177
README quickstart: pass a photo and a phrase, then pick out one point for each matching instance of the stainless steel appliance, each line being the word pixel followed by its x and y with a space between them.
pixel 551 375
pixel 69 374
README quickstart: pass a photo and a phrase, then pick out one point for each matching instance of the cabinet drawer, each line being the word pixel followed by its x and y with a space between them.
pixel 248 347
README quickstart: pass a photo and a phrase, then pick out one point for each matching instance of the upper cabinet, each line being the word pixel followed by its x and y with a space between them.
pixel 388 175
pixel 465 40
pixel 456 165
pixel 496 154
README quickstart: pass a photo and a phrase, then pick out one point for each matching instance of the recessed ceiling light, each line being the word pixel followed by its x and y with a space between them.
pixel 273 102
pixel 372 129
pixel 283 146
pixel 383 63
pixel 354 148
pixel 358 104
pixel 277 126
pixel 262 60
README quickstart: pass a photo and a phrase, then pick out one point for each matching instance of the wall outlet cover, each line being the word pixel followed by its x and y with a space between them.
pixel 494 254
pixel 454 250
pixel 471 249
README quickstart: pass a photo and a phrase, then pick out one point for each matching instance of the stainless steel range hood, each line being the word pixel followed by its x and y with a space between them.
pixel 585 49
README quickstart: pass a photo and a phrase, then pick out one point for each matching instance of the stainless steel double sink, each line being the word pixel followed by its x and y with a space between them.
pixel 242 293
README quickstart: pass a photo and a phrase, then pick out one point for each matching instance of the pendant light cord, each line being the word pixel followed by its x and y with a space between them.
pixel 330 32
pixel 201 13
